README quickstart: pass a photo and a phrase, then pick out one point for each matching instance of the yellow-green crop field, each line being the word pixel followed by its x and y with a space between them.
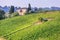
pixel 23 28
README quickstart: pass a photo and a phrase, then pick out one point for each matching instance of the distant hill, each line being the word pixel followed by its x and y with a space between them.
pixel 7 8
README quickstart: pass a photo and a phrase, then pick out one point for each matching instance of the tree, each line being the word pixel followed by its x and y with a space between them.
pixel 29 8
pixel 11 10
pixel 36 8
pixel 2 14
pixel 41 10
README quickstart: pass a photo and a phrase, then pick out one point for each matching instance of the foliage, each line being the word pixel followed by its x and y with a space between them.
pixel 11 10
pixel 14 14
pixel 2 14
pixel 29 8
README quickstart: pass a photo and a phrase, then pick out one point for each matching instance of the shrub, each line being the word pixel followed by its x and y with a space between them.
pixel 14 14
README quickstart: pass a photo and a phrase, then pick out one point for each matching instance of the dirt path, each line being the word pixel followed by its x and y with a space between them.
pixel 38 22
pixel 1 38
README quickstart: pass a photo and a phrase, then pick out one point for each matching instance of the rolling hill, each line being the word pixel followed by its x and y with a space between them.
pixel 29 27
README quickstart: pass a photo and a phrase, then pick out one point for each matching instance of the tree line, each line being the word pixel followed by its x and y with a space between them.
pixel 11 11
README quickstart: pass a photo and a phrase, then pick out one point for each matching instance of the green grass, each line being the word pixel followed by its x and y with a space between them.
pixel 49 30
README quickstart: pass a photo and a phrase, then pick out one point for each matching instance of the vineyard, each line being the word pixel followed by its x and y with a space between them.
pixel 28 27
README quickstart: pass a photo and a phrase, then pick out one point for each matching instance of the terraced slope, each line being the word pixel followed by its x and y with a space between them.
pixel 27 27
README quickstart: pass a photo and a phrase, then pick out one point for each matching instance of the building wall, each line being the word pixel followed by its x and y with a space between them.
pixel 22 12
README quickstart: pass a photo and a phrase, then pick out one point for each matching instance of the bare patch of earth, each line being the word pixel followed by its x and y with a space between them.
pixel 1 38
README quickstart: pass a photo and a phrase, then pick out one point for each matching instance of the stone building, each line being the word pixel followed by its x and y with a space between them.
pixel 22 11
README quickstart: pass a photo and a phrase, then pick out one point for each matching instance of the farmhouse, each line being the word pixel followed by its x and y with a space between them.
pixel 22 11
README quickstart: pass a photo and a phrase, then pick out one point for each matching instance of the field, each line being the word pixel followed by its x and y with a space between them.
pixel 29 27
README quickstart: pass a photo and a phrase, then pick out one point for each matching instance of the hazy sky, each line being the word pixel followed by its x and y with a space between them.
pixel 34 3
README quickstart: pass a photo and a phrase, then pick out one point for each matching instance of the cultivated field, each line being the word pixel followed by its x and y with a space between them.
pixel 29 27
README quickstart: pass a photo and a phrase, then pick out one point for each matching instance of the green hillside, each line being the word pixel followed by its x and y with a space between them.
pixel 29 27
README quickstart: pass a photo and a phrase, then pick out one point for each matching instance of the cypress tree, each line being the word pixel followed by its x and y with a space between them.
pixel 11 10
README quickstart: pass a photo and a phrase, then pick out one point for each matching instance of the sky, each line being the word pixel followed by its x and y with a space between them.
pixel 34 3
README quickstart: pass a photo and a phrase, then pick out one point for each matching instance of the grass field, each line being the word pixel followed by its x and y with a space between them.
pixel 23 28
